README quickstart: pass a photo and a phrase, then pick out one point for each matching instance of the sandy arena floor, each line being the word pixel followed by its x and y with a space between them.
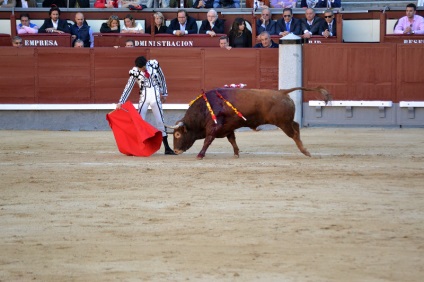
pixel 72 208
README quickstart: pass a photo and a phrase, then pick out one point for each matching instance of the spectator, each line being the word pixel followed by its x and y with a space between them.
pixel 7 3
pixel 54 24
pixel 411 23
pixel 223 42
pixel 153 92
pixel 265 23
pixel 128 3
pixel 160 26
pixel 208 4
pixel 106 4
pixel 54 3
pixel 283 3
pixel 177 4
pixel 131 26
pixel 212 25
pixel 311 24
pixel 266 41
pixel 329 25
pixel 111 26
pixel 226 4
pixel 26 4
pixel 321 3
pixel 17 41
pixel 157 4
pixel 129 43
pixel 79 4
pixel 81 30
pixel 26 26
pixel 182 25
pixel 288 24
pixel 78 43
pixel 257 4
pixel 240 36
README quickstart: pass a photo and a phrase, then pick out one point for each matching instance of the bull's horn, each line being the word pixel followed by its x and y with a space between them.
pixel 175 126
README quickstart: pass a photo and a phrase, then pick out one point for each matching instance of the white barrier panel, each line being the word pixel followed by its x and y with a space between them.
pixel 411 104
pixel 347 103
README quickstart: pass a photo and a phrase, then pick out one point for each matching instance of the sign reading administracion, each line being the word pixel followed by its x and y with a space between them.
pixel 164 43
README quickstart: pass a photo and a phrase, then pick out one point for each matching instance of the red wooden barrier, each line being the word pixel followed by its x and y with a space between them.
pixel 46 40
pixel 5 40
pixel 158 40
pixel 369 71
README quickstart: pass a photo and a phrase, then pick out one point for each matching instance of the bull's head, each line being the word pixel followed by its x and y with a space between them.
pixel 183 140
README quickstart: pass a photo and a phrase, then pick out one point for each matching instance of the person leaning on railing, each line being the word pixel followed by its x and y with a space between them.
pixel 212 25
pixel 131 26
pixel 111 26
pixel 288 24
pixel 26 26
pixel 329 27
pixel 159 26
pixel 182 25
pixel 54 24
pixel 311 24
pixel 411 23
pixel 266 23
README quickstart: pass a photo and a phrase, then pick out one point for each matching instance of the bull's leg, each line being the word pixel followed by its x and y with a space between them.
pixel 232 139
pixel 292 131
pixel 206 144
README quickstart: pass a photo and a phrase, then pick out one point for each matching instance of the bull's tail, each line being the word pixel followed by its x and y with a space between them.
pixel 325 95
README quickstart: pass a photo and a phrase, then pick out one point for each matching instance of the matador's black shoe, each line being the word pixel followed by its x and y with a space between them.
pixel 168 150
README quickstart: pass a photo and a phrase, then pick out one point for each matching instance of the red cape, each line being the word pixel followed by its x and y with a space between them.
pixel 133 135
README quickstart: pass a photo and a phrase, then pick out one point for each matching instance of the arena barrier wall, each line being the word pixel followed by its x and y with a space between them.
pixel 351 72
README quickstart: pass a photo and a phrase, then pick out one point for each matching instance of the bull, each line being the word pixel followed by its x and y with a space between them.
pixel 223 110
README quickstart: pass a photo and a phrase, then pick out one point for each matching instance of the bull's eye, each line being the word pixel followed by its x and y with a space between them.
pixel 177 135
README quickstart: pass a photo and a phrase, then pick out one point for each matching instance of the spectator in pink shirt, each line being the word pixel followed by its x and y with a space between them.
pixel 26 26
pixel 411 23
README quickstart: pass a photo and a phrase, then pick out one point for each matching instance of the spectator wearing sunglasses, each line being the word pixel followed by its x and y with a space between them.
pixel 329 25
pixel 287 24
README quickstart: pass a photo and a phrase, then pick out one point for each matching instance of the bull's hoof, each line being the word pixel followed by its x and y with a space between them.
pixel 236 156
pixel 199 157
pixel 306 153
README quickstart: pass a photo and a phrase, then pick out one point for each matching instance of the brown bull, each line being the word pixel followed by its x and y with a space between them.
pixel 257 106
